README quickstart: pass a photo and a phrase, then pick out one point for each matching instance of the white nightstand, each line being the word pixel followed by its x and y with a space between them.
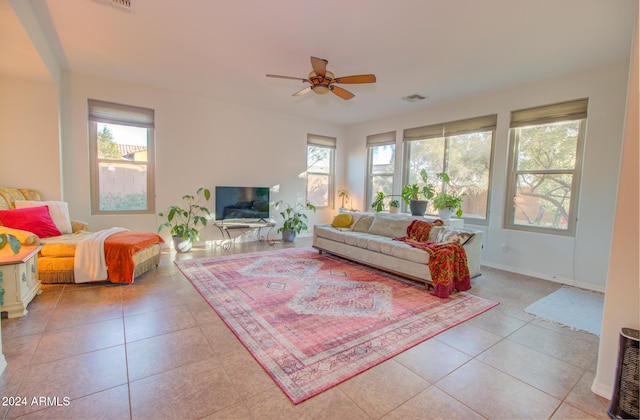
pixel 19 279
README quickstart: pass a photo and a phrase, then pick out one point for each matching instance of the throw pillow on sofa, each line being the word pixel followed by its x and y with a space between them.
pixel 32 219
pixel 450 236
pixel 389 225
pixel 343 220
pixel 58 210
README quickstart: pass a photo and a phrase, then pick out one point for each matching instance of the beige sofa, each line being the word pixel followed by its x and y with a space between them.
pixel 370 241
pixel 56 258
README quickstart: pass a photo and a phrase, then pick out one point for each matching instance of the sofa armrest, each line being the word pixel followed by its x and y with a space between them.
pixel 77 226
pixel 24 236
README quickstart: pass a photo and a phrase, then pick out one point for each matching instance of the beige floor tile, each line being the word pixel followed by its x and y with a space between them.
pixel 432 359
pixel 187 392
pixel 75 313
pixel 59 344
pixel 383 387
pixel 73 377
pixel 494 394
pixel 221 338
pixel 168 351
pixel 112 403
pixel 497 321
pixel 18 351
pixel 273 404
pixel 432 403
pixel 582 397
pixel 36 323
pixel 149 324
pixel 469 339
pixel 550 375
pixel 567 411
pixel 571 348
pixel 246 373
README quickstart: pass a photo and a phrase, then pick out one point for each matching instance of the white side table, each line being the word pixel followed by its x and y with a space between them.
pixel 19 279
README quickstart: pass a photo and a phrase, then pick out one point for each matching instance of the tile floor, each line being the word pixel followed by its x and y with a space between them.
pixel 156 350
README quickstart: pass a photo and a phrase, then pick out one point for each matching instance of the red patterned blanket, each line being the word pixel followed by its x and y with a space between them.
pixel 447 262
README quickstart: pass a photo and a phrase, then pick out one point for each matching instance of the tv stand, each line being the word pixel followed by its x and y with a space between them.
pixel 225 228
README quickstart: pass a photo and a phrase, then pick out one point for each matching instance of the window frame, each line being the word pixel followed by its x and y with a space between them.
pixel 126 115
pixel 444 131
pixel 328 143
pixel 540 116
pixel 374 141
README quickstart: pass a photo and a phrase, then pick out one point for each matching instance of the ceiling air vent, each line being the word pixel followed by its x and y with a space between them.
pixel 414 98
pixel 124 5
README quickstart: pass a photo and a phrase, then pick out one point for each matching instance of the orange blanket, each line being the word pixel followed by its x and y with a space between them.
pixel 119 249
pixel 447 262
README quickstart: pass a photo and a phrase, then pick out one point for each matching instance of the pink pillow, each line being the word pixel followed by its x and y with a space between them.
pixel 34 219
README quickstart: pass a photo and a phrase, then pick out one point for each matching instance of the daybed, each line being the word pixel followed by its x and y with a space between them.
pixel 128 254
pixel 376 240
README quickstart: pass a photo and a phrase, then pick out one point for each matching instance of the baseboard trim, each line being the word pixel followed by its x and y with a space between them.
pixel 530 273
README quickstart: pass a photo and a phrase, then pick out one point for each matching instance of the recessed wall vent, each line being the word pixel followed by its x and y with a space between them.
pixel 414 98
pixel 124 5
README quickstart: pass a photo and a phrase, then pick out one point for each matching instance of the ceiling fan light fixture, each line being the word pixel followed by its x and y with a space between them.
pixel 320 89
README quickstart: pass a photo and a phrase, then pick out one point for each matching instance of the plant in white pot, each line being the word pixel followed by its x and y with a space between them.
pixel 394 206
pixel 415 194
pixel 447 204
pixel 184 221
pixel 294 219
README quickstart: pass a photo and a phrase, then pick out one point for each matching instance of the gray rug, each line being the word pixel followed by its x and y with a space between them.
pixel 574 308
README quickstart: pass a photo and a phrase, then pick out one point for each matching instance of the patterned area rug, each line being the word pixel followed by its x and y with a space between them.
pixel 313 321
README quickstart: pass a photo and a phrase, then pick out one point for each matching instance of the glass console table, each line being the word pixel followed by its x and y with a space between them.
pixel 226 227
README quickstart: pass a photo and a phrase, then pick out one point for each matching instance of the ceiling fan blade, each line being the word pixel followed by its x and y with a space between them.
pixel 362 78
pixel 287 77
pixel 344 94
pixel 319 66
pixel 303 91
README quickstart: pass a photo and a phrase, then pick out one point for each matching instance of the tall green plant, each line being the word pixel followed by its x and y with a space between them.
pixel 294 218
pixel 184 221
pixel 419 190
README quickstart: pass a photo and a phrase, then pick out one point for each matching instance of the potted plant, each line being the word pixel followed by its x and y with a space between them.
pixel 343 193
pixel 294 220
pixel 183 221
pixel 394 206
pixel 413 194
pixel 446 203
pixel 378 203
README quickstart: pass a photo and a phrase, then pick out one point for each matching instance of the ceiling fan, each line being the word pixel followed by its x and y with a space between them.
pixel 322 80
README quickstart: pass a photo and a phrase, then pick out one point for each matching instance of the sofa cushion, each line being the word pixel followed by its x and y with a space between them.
pixel 363 224
pixel 451 236
pixel 32 219
pixel 391 226
pixel 59 211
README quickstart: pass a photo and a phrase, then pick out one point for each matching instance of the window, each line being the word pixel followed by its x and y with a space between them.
pixel 462 149
pixel 544 167
pixel 381 155
pixel 320 170
pixel 121 147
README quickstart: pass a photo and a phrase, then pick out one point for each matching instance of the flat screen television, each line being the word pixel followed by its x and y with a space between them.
pixel 242 203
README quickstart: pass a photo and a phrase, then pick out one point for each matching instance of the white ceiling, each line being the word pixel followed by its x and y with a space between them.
pixel 442 49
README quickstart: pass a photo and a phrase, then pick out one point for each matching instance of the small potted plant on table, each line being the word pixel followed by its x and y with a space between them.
pixel 183 222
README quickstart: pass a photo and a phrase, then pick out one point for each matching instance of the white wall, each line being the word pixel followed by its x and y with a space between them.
pixel 199 143
pixel 29 139
pixel 622 297
pixel 581 261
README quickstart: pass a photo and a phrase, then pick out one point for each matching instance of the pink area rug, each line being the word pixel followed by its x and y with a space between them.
pixel 313 321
